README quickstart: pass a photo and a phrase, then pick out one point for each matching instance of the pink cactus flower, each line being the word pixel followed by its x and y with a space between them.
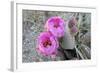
pixel 73 25
pixel 72 22
pixel 74 29
pixel 56 26
pixel 47 44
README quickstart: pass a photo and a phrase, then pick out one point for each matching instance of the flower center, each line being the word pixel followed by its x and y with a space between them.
pixel 56 23
pixel 47 43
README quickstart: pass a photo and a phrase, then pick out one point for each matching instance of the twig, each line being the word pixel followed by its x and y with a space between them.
pixel 79 52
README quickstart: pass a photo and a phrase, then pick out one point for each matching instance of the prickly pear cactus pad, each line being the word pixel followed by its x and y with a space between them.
pixel 55 36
